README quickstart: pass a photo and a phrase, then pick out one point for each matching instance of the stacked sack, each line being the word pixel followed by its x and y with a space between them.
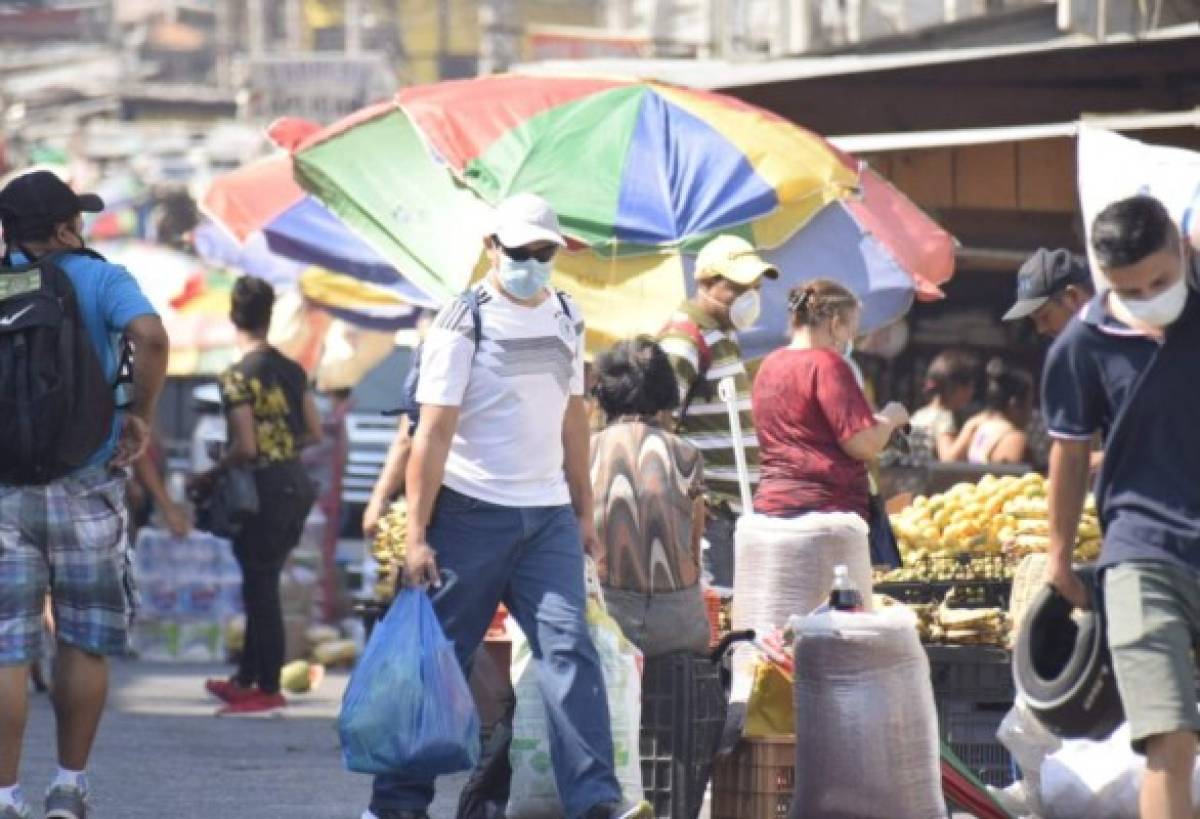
pixel 784 568
pixel 866 728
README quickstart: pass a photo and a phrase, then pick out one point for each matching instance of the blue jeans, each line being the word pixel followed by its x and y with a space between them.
pixel 532 560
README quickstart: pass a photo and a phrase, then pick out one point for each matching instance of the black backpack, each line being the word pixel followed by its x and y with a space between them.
pixel 408 398
pixel 56 404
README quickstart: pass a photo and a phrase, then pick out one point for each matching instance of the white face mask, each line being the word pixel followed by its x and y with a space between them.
pixel 745 310
pixel 1158 311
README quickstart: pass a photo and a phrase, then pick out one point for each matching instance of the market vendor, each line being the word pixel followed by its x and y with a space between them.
pixel 701 341
pixel 1052 287
pixel 949 387
pixel 816 429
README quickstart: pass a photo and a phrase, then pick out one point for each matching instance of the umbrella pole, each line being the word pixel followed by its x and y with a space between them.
pixel 727 390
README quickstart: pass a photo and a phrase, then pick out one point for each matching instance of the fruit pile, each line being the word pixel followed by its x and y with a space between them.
pixel 996 517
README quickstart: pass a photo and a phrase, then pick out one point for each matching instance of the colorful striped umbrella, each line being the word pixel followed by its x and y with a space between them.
pixel 632 165
pixel 374 171
pixel 263 197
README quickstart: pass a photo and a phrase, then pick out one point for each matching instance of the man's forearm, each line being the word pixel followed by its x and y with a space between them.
pixel 391 478
pixel 149 375
pixel 576 457
pixel 423 479
pixel 1069 461
pixel 147 474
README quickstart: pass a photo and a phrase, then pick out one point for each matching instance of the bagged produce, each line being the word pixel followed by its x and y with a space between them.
pixel 534 794
pixel 770 710
pixel 784 568
pixel 866 729
pixel 407 708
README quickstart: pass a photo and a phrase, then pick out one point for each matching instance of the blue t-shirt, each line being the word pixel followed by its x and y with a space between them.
pixel 1144 396
pixel 109 299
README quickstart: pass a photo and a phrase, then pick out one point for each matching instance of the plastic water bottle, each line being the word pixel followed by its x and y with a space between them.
pixel 845 596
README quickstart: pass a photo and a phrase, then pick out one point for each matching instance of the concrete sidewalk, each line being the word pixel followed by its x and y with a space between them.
pixel 162 755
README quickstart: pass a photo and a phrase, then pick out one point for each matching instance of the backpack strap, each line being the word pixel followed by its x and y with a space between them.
pixel 704 360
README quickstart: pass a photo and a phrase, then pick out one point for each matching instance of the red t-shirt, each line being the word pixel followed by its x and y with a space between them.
pixel 806 403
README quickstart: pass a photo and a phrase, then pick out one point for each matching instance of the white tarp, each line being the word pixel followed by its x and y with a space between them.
pixel 1112 167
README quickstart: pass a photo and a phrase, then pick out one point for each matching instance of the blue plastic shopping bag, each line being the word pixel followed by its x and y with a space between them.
pixel 408 709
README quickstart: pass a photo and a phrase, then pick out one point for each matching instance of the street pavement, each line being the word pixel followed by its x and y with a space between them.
pixel 161 754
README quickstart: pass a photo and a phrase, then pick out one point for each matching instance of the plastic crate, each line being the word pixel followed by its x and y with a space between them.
pixel 970 729
pixel 967 593
pixel 971 673
pixel 756 781
pixel 683 715
pixel 973 690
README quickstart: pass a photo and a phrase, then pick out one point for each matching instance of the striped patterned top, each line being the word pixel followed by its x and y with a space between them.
pixel 707 424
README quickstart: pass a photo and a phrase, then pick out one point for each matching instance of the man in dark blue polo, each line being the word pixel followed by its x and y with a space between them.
pixel 1129 367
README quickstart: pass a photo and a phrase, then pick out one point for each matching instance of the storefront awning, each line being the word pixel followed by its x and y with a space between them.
pixel 917 140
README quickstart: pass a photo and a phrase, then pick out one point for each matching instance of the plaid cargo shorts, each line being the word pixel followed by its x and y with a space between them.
pixel 67 539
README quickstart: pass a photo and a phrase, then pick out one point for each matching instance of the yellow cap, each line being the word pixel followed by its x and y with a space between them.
pixel 733 258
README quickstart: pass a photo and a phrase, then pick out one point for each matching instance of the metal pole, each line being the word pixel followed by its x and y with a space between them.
pixel 353 26
pixel 256 27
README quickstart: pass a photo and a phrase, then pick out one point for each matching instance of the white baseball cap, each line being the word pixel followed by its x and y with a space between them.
pixel 525 218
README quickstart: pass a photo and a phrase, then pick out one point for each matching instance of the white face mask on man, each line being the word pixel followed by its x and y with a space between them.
pixel 745 310
pixel 1158 311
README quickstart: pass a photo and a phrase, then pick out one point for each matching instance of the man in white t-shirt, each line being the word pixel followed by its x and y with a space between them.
pixel 500 500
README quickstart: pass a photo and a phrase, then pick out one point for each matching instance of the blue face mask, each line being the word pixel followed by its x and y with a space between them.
pixel 524 279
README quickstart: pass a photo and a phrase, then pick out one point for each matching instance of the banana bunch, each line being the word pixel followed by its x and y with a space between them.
pixel 388 548
pixel 986 626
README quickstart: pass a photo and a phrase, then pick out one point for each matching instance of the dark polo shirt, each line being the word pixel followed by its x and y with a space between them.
pixel 1148 492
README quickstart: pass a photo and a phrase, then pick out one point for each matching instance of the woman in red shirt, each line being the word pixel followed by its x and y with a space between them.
pixel 816 430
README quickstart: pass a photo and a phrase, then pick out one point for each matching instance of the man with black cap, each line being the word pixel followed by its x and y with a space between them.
pixel 1052 287
pixel 62 512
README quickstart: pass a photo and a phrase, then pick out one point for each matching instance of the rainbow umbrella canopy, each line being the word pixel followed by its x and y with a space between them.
pixel 262 198
pixel 632 166
pixel 419 201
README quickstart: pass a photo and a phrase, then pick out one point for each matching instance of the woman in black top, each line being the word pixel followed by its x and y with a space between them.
pixel 271 417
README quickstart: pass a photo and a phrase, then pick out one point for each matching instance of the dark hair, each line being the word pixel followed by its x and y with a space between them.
pixel 1128 231
pixel 816 301
pixel 251 304
pixel 1005 384
pixel 950 370
pixel 635 378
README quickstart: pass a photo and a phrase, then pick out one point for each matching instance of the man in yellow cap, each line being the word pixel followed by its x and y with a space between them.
pixel 701 340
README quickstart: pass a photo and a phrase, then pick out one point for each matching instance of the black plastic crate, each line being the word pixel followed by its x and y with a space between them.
pixel 971 673
pixel 970 729
pixel 683 714
pixel 968 594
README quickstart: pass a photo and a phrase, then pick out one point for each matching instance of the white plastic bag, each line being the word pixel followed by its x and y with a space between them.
pixel 533 794
pixel 1099 780
pixel 1030 744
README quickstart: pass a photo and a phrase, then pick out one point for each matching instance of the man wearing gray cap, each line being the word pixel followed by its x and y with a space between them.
pixel 1052 287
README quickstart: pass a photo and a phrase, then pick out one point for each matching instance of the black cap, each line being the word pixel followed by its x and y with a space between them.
pixel 40 199
pixel 1045 274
